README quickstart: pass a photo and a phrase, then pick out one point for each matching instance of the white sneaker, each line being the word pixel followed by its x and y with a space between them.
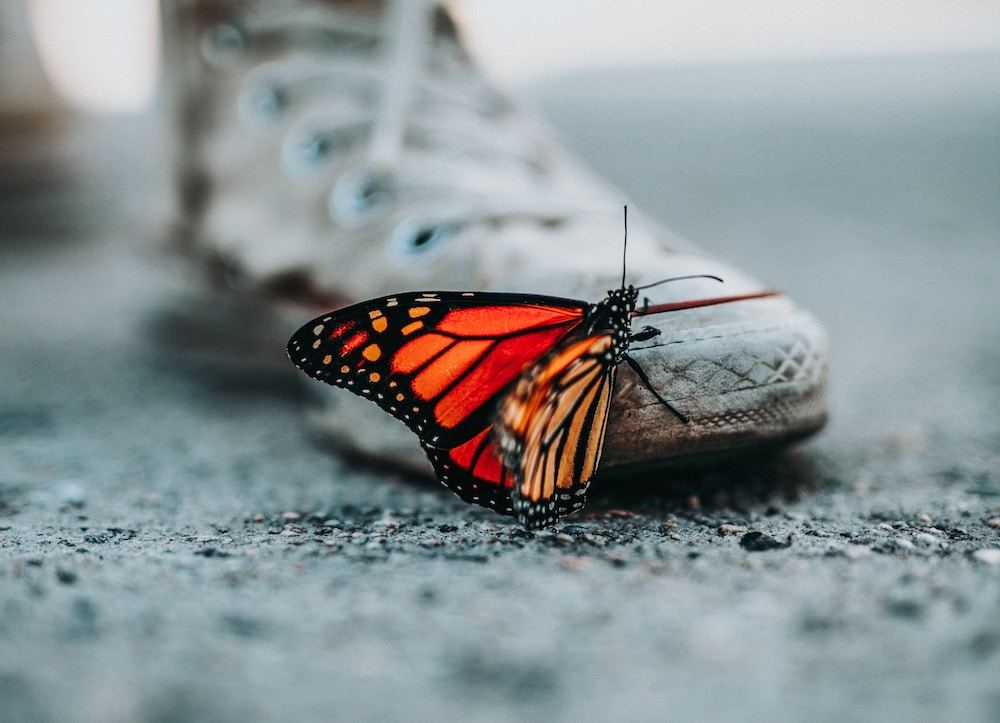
pixel 335 151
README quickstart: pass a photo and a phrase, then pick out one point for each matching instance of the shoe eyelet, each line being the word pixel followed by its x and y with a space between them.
pixel 359 196
pixel 419 238
pixel 223 44
pixel 306 152
pixel 263 104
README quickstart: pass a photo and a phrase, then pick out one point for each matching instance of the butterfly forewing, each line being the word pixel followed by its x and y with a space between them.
pixel 551 427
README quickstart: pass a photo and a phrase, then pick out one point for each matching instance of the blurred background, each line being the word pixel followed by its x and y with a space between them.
pixel 848 152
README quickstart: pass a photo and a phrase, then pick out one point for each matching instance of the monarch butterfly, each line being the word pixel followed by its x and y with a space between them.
pixel 509 394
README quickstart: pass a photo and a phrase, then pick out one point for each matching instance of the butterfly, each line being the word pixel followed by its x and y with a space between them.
pixel 509 394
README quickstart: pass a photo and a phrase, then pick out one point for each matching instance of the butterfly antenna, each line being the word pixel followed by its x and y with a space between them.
pixel 679 278
pixel 625 247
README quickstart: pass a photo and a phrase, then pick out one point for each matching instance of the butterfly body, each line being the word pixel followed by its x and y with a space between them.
pixel 613 315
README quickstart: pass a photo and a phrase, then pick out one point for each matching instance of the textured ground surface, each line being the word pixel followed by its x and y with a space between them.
pixel 174 547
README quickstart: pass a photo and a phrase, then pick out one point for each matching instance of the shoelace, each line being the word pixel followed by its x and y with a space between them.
pixel 442 149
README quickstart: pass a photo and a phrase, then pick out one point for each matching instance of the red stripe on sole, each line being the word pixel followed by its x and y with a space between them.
pixel 698 303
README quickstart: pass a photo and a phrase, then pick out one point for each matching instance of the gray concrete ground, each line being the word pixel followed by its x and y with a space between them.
pixel 174 546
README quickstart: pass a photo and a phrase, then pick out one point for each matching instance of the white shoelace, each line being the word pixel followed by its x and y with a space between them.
pixel 442 149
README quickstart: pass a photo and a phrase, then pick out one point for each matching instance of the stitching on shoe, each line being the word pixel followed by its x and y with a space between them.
pixel 807 399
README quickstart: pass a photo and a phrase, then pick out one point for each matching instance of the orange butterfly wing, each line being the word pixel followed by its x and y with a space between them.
pixel 439 362
pixel 551 427
pixel 474 472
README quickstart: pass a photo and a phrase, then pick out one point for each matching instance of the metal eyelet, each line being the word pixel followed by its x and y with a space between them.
pixel 360 196
pixel 307 152
pixel 311 149
pixel 223 44
pixel 263 103
pixel 419 237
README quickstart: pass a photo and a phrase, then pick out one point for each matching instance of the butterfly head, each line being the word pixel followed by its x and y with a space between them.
pixel 622 300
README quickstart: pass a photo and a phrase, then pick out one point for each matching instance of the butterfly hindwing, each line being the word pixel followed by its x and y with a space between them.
pixel 550 428
pixel 474 472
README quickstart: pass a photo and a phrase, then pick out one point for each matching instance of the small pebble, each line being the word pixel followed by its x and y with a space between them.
pixel 760 541
pixel 257 518
pixel 988 556
pixel 72 493
pixel 904 608
pixel 68 577
pixel 617 560
pixel 291 516
pixel 731 529
pixel 211 552
pixel 993 522
pixel 923 518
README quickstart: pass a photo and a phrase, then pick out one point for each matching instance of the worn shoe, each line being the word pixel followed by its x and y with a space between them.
pixel 332 152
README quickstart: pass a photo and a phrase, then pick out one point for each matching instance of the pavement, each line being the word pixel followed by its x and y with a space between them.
pixel 176 546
